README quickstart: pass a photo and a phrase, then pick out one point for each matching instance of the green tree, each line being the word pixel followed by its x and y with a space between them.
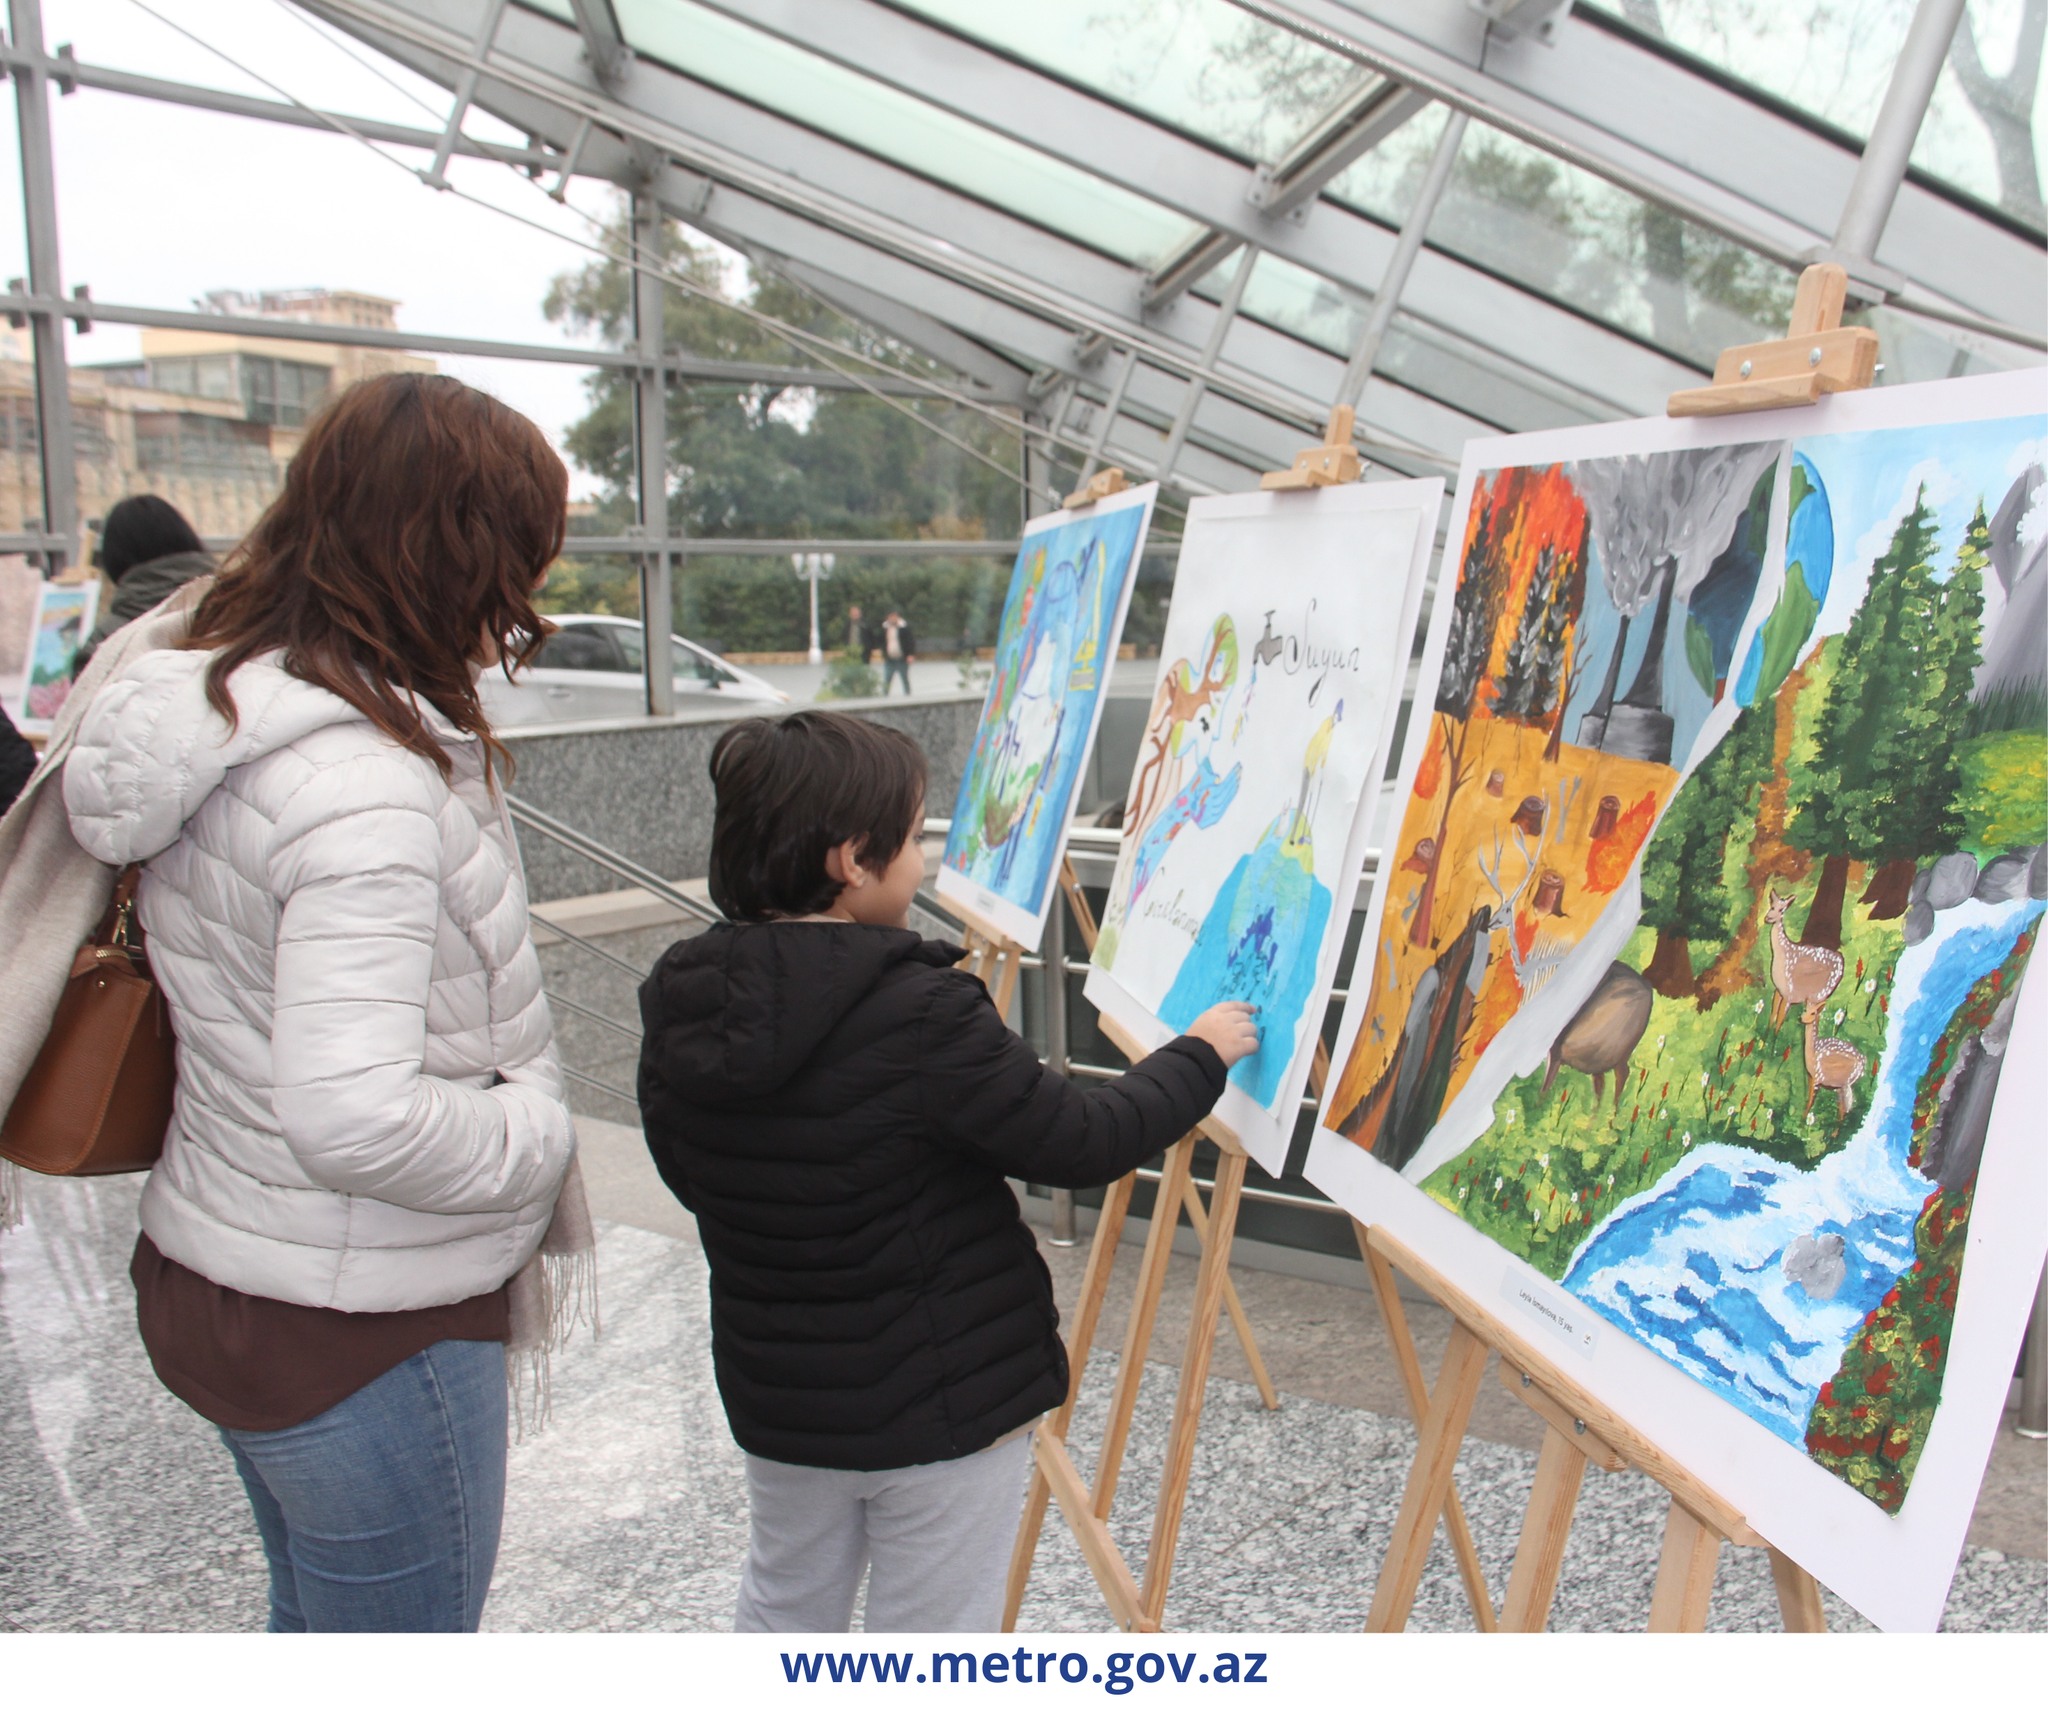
pixel 1686 892
pixel 1887 780
pixel 778 460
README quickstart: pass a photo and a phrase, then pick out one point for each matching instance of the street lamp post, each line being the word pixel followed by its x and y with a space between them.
pixel 810 568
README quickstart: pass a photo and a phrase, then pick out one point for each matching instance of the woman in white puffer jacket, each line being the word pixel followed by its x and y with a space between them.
pixel 369 1133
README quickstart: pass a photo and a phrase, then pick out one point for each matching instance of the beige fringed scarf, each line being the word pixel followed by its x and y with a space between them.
pixel 55 892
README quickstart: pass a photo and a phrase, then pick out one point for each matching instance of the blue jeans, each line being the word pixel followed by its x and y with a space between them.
pixel 894 667
pixel 381 1515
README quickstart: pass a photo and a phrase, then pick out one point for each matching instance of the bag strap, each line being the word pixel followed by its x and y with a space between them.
pixel 120 928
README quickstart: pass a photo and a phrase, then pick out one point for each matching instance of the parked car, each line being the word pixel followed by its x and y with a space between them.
pixel 591 669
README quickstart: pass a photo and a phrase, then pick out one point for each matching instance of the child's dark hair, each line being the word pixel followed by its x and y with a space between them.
pixel 790 789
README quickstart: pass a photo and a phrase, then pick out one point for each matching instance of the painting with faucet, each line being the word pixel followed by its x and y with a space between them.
pixel 1270 728
pixel 1719 869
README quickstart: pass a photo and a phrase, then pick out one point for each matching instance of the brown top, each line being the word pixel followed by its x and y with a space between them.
pixel 252 1364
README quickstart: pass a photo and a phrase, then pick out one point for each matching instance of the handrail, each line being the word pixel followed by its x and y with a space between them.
pixel 624 1030
pixel 555 929
pixel 605 859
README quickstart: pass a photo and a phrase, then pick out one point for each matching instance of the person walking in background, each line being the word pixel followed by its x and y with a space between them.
pixel 148 549
pixel 858 643
pixel 369 1142
pixel 839 1105
pixel 899 650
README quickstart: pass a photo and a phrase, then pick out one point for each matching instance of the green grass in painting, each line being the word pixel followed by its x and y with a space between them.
pixel 1551 1169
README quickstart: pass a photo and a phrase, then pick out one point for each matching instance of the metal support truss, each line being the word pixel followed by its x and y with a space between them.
pixel 650 458
pixel 1219 329
pixel 1351 388
pixel 57 453
pixel 465 92
pixel 603 45
pixel 1882 168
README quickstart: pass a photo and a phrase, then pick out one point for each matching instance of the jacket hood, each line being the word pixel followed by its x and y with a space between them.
pixel 734 1012
pixel 151 748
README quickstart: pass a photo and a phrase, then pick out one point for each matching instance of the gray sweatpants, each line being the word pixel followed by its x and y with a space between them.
pixel 935 1543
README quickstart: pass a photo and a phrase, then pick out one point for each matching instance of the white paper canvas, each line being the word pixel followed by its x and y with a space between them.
pixel 1753 1075
pixel 1271 723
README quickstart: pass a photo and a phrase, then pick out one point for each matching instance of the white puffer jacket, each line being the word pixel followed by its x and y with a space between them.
pixel 369 1112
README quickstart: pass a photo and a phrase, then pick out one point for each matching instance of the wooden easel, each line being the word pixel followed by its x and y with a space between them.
pixel 991 956
pixel 1087 1507
pixel 1817 356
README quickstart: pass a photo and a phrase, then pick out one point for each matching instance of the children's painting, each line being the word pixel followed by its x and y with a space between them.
pixel 1061 626
pixel 1269 732
pixel 63 618
pixel 1696 964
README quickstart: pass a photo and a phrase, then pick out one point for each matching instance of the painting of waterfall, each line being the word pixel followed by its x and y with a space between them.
pixel 1270 729
pixel 1694 980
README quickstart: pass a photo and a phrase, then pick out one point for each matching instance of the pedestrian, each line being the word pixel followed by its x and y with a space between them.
pixel 839 1104
pixel 369 1143
pixel 899 650
pixel 148 549
pixel 858 642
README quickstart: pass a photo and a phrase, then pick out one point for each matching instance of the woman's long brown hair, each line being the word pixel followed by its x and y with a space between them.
pixel 416 522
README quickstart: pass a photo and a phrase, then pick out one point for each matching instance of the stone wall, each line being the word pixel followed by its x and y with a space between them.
pixel 642 788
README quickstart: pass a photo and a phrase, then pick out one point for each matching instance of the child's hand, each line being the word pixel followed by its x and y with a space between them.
pixel 1230 1030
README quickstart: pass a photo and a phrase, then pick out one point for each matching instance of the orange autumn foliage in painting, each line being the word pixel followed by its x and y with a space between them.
pixel 1608 861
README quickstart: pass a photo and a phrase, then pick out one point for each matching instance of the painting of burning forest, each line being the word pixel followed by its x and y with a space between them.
pixel 1797 823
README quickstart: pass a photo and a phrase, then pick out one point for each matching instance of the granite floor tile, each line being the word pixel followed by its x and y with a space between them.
pixel 626 1511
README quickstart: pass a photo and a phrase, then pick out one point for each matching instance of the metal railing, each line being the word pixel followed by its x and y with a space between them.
pixel 1092 849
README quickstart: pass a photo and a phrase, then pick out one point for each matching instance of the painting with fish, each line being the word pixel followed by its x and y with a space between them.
pixel 1062 621
pixel 1734 1089
pixel 1269 731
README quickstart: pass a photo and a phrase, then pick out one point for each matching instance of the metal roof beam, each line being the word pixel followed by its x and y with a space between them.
pixel 1676 138
pixel 740 144
pixel 603 46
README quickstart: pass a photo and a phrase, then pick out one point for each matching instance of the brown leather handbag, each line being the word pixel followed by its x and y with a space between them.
pixel 98 1098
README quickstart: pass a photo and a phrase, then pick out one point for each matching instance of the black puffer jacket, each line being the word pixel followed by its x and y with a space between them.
pixel 839 1107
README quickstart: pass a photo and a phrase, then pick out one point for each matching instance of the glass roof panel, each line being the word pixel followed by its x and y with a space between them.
pixel 1201 66
pixel 1986 131
pixel 857 110
pixel 1578 240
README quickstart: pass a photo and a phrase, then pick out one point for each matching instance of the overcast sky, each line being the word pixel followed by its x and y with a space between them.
pixel 159 203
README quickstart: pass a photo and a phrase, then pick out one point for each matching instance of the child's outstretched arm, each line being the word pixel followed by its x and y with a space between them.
pixel 984 1089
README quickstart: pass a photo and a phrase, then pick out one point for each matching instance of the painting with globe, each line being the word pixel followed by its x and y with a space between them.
pixel 1695 995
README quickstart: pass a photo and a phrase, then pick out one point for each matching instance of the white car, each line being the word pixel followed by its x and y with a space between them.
pixel 591 669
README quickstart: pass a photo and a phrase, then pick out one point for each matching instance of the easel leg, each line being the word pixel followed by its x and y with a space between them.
pixel 1402 1341
pixel 1194 1381
pixel 1685 1573
pixel 1198 1219
pixel 1166 1207
pixel 1532 1587
pixel 1798 1596
pixel 1109 1230
pixel 1429 1481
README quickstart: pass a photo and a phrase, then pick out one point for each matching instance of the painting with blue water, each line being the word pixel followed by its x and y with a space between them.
pixel 1753 1142
pixel 1055 647
pixel 1266 741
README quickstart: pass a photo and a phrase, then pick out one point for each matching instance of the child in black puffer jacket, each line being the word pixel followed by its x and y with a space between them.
pixel 839 1105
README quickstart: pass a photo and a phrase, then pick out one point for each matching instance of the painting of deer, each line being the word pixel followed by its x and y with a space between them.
pixel 1603 1034
pixel 1831 1064
pixel 1801 974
